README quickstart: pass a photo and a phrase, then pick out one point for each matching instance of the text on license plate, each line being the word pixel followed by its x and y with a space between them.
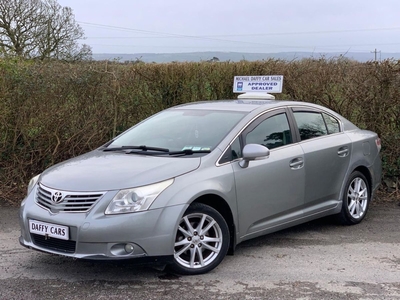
pixel 47 229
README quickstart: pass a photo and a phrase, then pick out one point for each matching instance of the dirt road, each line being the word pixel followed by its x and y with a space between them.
pixel 317 260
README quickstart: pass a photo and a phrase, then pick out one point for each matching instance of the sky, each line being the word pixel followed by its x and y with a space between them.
pixel 258 26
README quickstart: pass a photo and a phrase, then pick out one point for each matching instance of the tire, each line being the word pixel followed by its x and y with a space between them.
pixel 356 198
pixel 201 241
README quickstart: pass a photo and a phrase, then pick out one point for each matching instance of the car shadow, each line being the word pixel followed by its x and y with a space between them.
pixel 129 270
pixel 323 231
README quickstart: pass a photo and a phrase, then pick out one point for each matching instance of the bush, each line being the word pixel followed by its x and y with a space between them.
pixel 50 112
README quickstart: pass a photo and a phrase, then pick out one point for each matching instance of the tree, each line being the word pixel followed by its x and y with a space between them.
pixel 40 29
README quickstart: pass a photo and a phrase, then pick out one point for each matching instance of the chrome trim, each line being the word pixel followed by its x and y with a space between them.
pixel 321 109
pixel 71 202
pixel 240 132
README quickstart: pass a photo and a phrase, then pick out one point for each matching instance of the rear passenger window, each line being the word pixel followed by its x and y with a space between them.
pixel 310 124
pixel 331 123
pixel 272 132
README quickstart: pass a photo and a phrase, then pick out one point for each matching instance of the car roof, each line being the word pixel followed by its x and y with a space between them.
pixel 253 107
pixel 244 105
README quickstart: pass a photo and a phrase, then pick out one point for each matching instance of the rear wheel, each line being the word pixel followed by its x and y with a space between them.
pixel 201 241
pixel 355 200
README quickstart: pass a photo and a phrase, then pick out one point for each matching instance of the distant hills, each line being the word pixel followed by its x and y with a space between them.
pixel 237 56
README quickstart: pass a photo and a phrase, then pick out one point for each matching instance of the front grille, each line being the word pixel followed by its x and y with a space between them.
pixel 59 201
pixel 53 243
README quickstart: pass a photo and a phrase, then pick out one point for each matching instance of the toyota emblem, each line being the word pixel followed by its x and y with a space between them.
pixel 57 197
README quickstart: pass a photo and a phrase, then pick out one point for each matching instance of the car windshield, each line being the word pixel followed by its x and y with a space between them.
pixel 181 130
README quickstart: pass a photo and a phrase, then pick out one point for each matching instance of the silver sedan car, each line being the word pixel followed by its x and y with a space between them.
pixel 185 186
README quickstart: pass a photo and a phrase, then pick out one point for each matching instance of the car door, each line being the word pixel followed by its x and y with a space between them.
pixel 327 157
pixel 269 192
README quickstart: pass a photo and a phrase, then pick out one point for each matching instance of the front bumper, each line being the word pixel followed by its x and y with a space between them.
pixel 94 235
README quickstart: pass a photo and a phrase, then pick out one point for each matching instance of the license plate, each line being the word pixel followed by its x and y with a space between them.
pixel 49 230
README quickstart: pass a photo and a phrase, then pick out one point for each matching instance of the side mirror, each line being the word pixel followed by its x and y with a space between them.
pixel 253 152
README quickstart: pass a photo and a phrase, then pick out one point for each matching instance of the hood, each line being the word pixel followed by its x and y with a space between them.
pixel 104 171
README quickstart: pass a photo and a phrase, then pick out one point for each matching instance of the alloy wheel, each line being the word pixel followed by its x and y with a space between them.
pixel 198 241
pixel 357 198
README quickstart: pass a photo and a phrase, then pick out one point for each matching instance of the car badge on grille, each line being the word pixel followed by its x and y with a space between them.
pixel 57 197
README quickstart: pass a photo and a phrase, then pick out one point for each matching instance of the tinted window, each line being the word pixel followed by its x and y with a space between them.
pixel 331 123
pixel 310 124
pixel 272 132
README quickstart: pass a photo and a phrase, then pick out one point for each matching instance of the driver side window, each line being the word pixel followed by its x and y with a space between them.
pixel 272 133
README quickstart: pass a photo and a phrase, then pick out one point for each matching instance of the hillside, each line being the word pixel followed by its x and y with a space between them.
pixel 237 56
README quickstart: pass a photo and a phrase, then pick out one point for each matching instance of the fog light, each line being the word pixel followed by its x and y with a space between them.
pixel 129 248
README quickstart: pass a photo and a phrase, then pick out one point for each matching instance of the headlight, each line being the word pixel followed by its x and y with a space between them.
pixel 32 183
pixel 136 199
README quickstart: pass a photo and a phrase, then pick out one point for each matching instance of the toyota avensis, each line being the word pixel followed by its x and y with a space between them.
pixel 187 185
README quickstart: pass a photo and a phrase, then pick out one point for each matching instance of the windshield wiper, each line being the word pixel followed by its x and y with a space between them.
pixel 142 147
pixel 157 149
pixel 188 152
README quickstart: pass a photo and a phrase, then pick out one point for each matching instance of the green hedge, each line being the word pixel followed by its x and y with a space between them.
pixel 53 111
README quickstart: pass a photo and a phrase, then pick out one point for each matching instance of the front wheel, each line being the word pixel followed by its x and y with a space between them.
pixel 355 200
pixel 201 241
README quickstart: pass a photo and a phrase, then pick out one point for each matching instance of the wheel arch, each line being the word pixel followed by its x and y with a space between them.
pixel 345 216
pixel 223 208
pixel 364 170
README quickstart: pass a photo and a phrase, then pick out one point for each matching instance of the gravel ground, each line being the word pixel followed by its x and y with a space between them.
pixel 316 260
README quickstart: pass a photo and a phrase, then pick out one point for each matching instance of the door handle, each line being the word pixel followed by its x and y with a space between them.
pixel 343 151
pixel 296 163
